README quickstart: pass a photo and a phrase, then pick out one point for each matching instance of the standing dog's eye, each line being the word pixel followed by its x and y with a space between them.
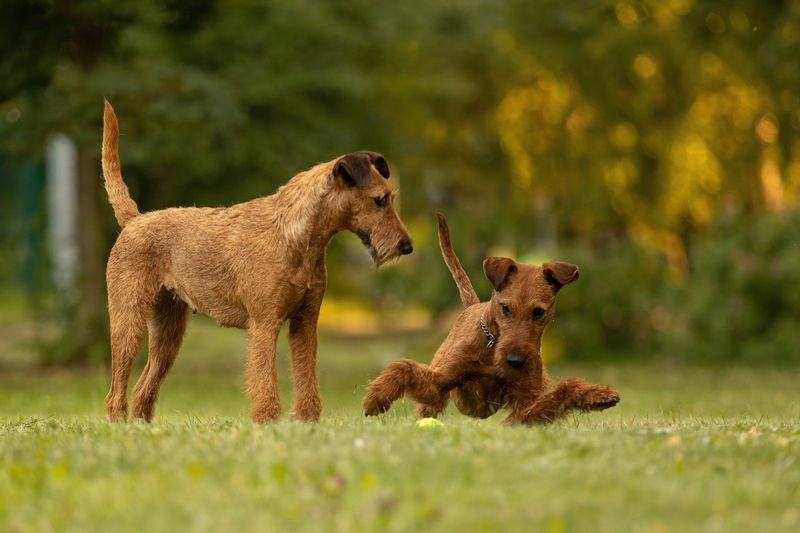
pixel 538 313
pixel 381 201
pixel 506 309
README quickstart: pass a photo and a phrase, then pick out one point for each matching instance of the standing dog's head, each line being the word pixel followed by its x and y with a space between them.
pixel 369 205
pixel 522 305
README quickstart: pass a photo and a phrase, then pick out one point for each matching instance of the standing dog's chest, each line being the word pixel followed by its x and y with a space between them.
pixel 304 288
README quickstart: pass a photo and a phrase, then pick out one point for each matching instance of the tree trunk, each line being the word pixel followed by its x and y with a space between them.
pixel 87 324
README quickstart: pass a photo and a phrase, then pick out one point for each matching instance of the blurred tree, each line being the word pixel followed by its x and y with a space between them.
pixel 652 115
pixel 57 36
pixel 531 124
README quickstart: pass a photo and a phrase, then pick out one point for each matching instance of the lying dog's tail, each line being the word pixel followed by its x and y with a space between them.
pixel 118 195
pixel 465 290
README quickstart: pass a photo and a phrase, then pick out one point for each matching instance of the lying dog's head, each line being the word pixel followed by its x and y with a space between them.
pixel 522 305
pixel 369 205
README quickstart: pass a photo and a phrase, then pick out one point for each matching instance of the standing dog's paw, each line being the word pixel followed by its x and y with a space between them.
pixel 599 397
pixel 375 405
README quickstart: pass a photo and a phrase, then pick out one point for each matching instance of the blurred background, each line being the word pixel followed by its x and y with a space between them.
pixel 654 143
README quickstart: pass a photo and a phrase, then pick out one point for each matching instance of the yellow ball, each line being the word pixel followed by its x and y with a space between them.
pixel 428 423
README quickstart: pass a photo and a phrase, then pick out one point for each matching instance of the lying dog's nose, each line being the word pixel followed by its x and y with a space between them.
pixel 406 247
pixel 515 360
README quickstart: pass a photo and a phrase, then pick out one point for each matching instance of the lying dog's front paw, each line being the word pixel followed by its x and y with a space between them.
pixel 599 397
pixel 375 405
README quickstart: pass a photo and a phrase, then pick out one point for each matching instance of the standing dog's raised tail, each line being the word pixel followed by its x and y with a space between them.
pixel 119 197
pixel 465 289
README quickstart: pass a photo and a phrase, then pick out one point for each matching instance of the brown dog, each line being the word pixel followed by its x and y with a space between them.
pixel 253 265
pixel 492 357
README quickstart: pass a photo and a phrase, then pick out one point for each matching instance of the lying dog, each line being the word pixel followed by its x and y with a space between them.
pixel 492 357
pixel 253 265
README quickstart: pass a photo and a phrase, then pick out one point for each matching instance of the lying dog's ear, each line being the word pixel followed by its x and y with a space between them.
pixel 558 273
pixel 498 270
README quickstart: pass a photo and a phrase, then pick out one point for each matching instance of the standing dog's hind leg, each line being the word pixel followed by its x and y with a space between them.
pixel 127 329
pixel 165 329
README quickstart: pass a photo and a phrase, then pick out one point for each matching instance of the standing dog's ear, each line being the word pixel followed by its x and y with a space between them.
pixel 378 161
pixel 353 169
pixel 381 165
pixel 498 270
pixel 558 273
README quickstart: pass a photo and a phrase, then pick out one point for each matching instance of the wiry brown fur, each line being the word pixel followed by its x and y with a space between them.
pixel 479 379
pixel 253 265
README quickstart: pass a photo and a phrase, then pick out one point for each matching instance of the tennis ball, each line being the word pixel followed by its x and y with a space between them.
pixel 428 423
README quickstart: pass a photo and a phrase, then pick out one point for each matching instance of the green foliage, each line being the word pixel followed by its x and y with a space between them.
pixel 534 125
pixel 742 301
pixel 617 308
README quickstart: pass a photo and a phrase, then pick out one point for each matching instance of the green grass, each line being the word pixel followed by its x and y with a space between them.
pixel 687 449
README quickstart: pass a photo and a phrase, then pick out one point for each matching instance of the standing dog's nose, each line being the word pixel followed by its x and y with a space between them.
pixel 406 247
pixel 515 360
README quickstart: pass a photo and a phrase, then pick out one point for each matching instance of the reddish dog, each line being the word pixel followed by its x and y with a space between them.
pixel 492 357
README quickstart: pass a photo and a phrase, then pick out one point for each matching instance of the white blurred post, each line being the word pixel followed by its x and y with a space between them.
pixel 62 212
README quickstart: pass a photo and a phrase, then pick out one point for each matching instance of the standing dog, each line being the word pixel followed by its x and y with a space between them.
pixel 492 357
pixel 253 265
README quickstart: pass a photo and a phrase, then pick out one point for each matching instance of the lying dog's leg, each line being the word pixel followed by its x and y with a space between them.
pixel 478 399
pixel 303 343
pixel 261 373
pixel 567 395
pixel 409 377
pixel 425 410
pixel 165 330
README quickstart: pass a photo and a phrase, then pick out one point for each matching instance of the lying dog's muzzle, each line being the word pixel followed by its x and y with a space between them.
pixel 515 360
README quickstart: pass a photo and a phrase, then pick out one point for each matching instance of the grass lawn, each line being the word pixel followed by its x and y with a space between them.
pixel 688 449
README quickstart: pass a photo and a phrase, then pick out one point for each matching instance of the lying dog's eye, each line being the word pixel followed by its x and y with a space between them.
pixel 506 309
pixel 381 201
pixel 538 313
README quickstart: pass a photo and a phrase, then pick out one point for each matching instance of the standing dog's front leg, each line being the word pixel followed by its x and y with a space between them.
pixel 261 373
pixel 303 343
pixel 567 395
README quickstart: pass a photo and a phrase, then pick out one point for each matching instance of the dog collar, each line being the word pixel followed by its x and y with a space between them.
pixel 489 335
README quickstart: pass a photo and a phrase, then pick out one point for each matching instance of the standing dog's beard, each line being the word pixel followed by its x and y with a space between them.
pixel 379 254
pixel 366 240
